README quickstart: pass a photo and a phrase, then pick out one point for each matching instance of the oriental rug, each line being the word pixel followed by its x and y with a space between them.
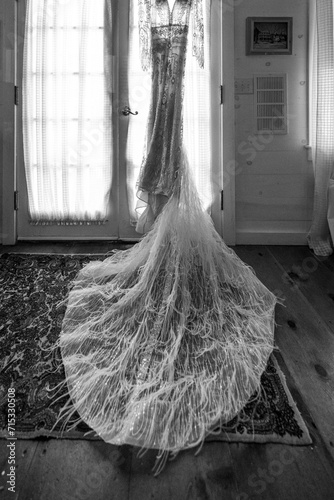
pixel 31 289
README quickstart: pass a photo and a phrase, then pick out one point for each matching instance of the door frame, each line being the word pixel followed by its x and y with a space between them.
pixel 228 124
pixel 223 19
pixel 9 120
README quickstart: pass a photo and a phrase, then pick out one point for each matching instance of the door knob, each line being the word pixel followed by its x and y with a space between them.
pixel 126 111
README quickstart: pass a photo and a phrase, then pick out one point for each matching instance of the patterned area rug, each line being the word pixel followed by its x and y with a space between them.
pixel 31 289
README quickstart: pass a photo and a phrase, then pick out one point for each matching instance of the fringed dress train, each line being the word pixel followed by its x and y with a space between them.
pixel 164 341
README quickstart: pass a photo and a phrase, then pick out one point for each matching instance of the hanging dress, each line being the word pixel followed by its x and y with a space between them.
pixel 164 39
pixel 164 341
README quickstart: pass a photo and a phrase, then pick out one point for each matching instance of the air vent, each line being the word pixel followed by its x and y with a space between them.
pixel 271 104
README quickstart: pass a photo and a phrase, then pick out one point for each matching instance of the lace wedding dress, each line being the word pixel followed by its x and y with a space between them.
pixel 166 340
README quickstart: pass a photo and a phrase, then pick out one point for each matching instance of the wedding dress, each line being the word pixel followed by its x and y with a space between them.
pixel 164 341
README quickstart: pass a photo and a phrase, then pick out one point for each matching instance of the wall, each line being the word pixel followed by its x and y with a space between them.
pixel 7 117
pixel 274 191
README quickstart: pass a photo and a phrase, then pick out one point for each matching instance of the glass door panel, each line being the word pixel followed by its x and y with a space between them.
pixel 86 139
pixel 137 97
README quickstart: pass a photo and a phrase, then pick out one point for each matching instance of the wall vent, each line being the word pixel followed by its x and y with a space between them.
pixel 271 104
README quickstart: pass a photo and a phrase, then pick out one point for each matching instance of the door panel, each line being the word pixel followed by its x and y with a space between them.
pixel 118 226
pixel 126 230
pixel 115 226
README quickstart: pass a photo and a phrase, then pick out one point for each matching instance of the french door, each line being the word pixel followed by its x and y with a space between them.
pixel 118 225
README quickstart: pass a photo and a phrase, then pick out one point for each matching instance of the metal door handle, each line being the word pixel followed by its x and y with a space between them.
pixel 126 111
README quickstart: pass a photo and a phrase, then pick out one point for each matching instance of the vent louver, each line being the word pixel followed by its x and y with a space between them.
pixel 271 104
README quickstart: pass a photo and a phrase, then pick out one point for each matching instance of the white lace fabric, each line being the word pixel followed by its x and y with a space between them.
pixel 159 13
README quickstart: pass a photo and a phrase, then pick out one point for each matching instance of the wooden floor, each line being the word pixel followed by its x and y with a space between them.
pixel 84 470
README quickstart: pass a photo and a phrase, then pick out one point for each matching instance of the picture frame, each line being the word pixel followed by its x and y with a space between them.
pixel 269 36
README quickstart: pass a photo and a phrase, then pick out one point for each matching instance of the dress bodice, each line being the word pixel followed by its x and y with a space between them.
pixel 164 15
pixel 159 14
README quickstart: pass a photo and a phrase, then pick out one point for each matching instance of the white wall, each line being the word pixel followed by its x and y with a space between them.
pixel 274 192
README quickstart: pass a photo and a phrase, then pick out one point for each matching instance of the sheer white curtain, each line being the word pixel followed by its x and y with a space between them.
pixel 66 112
pixel 321 119
pixel 196 116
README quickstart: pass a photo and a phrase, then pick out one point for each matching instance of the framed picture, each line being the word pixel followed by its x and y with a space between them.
pixel 268 36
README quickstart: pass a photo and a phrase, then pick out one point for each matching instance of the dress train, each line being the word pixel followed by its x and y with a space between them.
pixel 164 341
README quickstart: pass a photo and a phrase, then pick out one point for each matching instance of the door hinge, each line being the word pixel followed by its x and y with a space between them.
pixel 222 94
pixel 16 200
pixel 222 200
pixel 16 95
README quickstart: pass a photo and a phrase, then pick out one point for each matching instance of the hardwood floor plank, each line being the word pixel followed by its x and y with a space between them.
pixel 305 341
pixel 24 456
pixel 99 248
pixel 69 247
pixel 77 470
pixel 318 443
pixel 309 273
pixel 279 472
pixel 207 476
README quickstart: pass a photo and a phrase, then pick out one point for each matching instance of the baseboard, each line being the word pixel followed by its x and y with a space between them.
pixel 77 239
pixel 274 238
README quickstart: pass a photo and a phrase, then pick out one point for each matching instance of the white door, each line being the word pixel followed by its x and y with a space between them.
pixel 118 225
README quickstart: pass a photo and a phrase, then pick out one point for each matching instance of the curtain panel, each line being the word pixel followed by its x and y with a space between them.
pixel 66 112
pixel 321 120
